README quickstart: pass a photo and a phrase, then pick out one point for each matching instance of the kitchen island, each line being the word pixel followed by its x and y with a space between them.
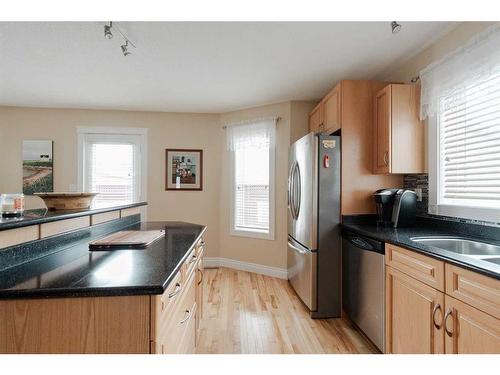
pixel 120 301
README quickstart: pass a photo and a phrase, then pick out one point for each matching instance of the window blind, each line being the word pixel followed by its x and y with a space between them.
pixel 111 172
pixel 469 128
pixel 251 211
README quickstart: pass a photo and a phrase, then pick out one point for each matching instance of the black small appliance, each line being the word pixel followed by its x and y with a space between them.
pixel 384 200
pixel 404 208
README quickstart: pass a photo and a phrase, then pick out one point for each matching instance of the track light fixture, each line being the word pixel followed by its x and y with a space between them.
pixel 109 34
pixel 107 30
pixel 125 50
pixel 396 27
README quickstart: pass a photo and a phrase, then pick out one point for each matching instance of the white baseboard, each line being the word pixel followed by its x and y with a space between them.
pixel 214 262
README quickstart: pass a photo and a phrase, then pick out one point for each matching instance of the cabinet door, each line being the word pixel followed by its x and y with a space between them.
pixel 331 110
pixel 316 119
pixel 382 131
pixel 470 331
pixel 414 316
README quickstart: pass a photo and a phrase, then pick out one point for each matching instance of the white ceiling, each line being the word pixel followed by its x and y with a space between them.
pixel 195 67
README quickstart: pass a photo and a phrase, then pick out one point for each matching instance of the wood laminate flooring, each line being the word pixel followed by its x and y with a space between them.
pixel 250 313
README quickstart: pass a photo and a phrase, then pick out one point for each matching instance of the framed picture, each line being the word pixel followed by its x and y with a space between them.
pixel 38 167
pixel 184 169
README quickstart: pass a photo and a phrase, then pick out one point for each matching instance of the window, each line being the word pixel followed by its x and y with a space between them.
pixel 462 96
pixel 111 165
pixel 252 147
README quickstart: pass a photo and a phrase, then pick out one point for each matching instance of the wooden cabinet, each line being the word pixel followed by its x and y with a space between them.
pixel 326 116
pixel 414 315
pixel 176 314
pixel 469 330
pixel 423 319
pixel 331 111
pixel 316 119
pixel 398 133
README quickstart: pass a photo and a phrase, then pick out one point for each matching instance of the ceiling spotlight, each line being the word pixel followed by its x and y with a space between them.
pixel 396 27
pixel 107 30
pixel 125 50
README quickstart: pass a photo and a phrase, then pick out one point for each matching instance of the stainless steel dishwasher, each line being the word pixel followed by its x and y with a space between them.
pixel 363 285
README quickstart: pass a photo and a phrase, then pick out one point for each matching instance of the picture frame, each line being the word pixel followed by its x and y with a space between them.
pixel 183 169
pixel 38 166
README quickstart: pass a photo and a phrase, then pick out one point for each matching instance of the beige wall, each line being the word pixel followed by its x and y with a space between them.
pixel 165 130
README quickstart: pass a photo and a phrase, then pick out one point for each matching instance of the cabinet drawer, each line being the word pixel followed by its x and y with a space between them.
pixel 57 227
pixel 174 326
pixel 162 306
pixel 17 236
pixel 188 341
pixel 426 269
pixel 130 211
pixel 104 217
pixel 190 263
pixel 477 290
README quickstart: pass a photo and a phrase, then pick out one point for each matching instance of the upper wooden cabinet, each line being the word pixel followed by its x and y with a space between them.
pixel 326 116
pixel 398 133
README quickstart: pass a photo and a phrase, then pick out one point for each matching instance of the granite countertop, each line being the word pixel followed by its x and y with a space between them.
pixel 78 272
pixel 39 216
pixel 402 237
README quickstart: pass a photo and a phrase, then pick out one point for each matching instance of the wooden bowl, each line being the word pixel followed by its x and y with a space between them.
pixel 67 201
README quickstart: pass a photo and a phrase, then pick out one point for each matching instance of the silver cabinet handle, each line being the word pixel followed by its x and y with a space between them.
pixel 449 313
pixel 193 258
pixel 296 248
pixel 186 318
pixel 178 288
pixel 437 307
pixel 386 158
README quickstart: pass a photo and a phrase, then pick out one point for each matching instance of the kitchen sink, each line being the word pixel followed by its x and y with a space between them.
pixel 493 260
pixel 464 246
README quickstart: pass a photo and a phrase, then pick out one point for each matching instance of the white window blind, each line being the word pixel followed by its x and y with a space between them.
pixel 469 128
pixel 252 148
pixel 112 168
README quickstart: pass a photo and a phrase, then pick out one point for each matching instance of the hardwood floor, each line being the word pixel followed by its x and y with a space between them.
pixel 250 313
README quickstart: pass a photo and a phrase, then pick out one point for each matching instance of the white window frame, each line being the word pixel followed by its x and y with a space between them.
pixel 435 168
pixel 270 235
pixel 83 131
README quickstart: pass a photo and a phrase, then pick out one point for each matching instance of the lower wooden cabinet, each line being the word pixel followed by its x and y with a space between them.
pixel 414 315
pixel 176 314
pixel 423 320
pixel 469 330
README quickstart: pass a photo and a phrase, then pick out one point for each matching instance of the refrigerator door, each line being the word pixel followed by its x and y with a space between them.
pixel 303 191
pixel 302 270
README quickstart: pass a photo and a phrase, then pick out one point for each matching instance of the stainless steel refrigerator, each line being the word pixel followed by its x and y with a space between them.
pixel 314 252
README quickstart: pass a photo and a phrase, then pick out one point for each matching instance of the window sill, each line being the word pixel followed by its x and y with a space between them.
pixel 466 212
pixel 252 234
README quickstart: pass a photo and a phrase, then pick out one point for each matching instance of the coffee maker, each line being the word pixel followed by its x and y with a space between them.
pixel 384 201
pixel 395 207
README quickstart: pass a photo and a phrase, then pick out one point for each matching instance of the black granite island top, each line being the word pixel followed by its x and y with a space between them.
pixel 78 272
pixel 40 216
pixel 426 227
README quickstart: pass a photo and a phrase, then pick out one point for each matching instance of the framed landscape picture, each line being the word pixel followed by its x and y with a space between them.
pixel 38 167
pixel 184 169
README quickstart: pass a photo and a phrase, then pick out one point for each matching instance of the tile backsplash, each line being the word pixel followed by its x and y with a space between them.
pixel 421 181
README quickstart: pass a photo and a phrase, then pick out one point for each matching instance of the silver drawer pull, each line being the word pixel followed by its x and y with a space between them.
pixel 186 318
pixel 193 258
pixel 202 243
pixel 176 291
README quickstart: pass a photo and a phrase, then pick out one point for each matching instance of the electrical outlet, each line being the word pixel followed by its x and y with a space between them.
pixel 418 191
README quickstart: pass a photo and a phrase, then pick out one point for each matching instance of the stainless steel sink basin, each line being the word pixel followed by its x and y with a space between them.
pixel 493 260
pixel 462 246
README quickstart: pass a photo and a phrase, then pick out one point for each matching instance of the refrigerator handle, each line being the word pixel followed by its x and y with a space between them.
pixel 293 247
pixel 299 191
